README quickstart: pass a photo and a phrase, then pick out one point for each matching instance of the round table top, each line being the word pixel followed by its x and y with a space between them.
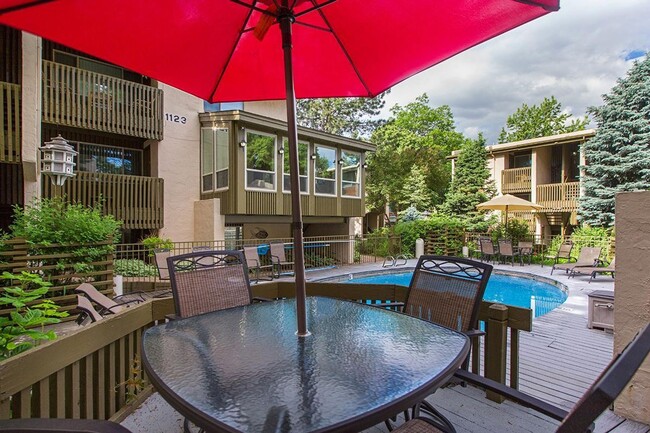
pixel 236 369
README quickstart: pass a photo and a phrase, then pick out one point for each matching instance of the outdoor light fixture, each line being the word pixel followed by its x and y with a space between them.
pixel 57 160
pixel 365 165
pixel 313 156
pixel 341 161
pixel 242 137
pixel 281 150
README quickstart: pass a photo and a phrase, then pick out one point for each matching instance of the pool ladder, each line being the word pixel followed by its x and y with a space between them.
pixel 391 262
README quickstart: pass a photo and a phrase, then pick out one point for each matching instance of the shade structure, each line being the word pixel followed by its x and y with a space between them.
pixel 508 202
pixel 242 50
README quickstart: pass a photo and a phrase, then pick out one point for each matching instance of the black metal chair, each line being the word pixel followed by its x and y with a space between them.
pixel 39 425
pixel 581 418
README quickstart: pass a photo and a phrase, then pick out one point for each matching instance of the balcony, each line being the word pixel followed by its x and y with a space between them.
pixel 10 115
pixel 135 200
pixel 515 180
pixel 558 197
pixel 83 99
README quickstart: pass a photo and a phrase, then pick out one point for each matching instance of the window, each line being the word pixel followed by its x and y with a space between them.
pixel 303 164
pixel 214 159
pixel 260 161
pixel 350 174
pixel 96 158
pixel 325 170
pixel 222 106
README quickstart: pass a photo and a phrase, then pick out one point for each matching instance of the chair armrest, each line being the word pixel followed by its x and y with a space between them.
pixel 472 333
pixel 512 394
pixel 261 299
pixel 171 317
pixel 275 258
pixel 138 297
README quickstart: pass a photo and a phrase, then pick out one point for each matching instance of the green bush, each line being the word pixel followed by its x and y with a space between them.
pixel 152 243
pixel 586 236
pixel 517 230
pixel 134 268
pixel 448 230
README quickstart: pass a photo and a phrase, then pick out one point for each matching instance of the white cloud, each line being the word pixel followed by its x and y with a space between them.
pixel 576 54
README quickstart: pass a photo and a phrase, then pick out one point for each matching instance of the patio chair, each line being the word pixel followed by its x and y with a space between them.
pixel 487 249
pixel 506 250
pixel 254 263
pixel 447 291
pixel 525 250
pixel 106 304
pixel 598 397
pixel 37 425
pixel 87 311
pixel 278 258
pixel 593 270
pixel 160 257
pixel 200 287
pixel 588 256
pixel 563 253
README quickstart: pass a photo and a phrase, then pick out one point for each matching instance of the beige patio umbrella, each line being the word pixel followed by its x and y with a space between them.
pixel 507 203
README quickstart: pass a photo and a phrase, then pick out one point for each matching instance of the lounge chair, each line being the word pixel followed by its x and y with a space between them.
pixel 87 311
pixel 278 258
pixel 525 249
pixel 593 270
pixel 506 251
pixel 488 252
pixel 563 253
pixel 588 257
pixel 106 304
pixel 41 425
pixel 581 418
pixel 160 256
pixel 254 263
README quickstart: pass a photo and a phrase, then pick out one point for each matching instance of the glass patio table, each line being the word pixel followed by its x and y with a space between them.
pixel 235 370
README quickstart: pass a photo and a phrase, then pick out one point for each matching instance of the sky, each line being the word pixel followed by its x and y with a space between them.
pixel 575 54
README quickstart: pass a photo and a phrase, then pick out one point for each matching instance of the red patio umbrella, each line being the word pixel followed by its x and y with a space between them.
pixel 241 50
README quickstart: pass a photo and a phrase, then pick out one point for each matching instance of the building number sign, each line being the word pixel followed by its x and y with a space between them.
pixel 175 118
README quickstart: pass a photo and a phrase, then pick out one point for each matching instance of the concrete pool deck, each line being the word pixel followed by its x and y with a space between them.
pixel 559 359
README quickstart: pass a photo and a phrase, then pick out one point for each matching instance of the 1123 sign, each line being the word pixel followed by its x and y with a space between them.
pixel 175 118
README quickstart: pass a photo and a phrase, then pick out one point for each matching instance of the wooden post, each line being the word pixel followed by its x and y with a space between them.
pixel 496 347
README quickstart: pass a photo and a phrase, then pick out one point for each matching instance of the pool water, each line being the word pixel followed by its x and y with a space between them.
pixel 505 289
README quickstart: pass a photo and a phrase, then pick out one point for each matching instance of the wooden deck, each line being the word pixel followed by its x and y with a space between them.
pixel 559 360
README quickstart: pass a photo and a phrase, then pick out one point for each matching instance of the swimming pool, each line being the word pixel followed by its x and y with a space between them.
pixel 507 289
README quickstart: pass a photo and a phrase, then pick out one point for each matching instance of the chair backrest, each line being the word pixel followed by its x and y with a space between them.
pixel 252 257
pixel 564 252
pixel 447 291
pixel 505 247
pixel 525 245
pixel 96 296
pixel 160 256
pixel 84 305
pixel 486 245
pixel 589 255
pixel 207 281
pixel 609 385
pixel 277 250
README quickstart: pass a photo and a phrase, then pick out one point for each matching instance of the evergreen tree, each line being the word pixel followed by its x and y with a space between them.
pixel 415 192
pixel 471 184
pixel 618 157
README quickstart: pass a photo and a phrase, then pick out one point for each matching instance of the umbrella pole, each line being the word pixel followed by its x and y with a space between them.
pixel 286 19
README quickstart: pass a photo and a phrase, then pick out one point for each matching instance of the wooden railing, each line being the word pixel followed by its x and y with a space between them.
pixel 10 115
pixel 515 180
pixel 558 197
pixel 84 99
pixel 92 372
pixel 135 200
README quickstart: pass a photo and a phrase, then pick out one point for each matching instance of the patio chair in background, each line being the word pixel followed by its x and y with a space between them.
pixel 447 291
pixel 598 397
pixel 563 253
pixel 593 270
pixel 506 250
pixel 87 311
pixel 588 256
pixel 254 263
pixel 200 288
pixel 487 249
pixel 38 425
pixel 160 256
pixel 106 304
pixel 278 258
pixel 525 250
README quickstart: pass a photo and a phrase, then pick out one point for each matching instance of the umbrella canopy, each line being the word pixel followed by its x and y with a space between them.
pixel 241 50
pixel 507 203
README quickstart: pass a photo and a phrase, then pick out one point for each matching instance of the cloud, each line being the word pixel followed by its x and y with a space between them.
pixel 576 55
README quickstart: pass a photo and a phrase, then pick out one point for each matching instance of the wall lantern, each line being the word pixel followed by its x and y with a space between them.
pixel 281 150
pixel 313 156
pixel 341 161
pixel 242 137
pixel 365 165
pixel 57 160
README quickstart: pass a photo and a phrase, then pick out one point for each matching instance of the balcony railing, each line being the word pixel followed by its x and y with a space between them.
pixel 135 200
pixel 10 122
pixel 558 197
pixel 515 180
pixel 84 99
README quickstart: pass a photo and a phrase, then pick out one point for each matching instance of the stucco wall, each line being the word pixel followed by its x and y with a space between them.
pixel 273 109
pixel 632 294
pixel 497 163
pixel 31 116
pixel 177 161
pixel 209 224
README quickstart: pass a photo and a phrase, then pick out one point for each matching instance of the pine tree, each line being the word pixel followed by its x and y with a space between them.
pixel 471 184
pixel 618 157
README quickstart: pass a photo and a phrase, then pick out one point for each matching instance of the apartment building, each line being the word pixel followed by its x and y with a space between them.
pixel 544 170
pixel 161 160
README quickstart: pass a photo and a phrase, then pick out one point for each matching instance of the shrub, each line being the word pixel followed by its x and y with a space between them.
pixel 134 268
pixel 449 232
pixel 517 230
pixel 152 243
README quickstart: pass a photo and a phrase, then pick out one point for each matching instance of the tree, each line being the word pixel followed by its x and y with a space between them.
pixel 618 156
pixel 540 121
pixel 471 184
pixel 351 117
pixel 413 144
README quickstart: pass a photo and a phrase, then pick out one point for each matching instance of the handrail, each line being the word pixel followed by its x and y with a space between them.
pixel 559 197
pixel 516 180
